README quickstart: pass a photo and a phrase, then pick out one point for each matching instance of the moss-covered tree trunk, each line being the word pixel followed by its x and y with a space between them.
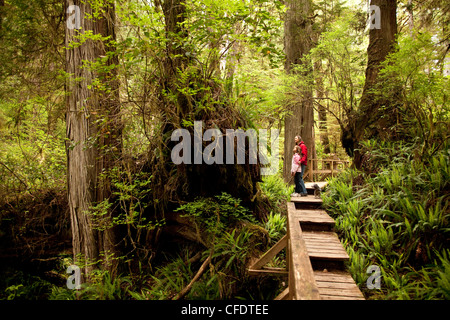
pixel 374 110
pixel 322 110
pixel 174 184
pixel 2 7
pixel 93 133
pixel 297 44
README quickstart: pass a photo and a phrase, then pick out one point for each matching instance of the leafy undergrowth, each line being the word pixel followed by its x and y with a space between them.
pixel 396 217
pixel 231 237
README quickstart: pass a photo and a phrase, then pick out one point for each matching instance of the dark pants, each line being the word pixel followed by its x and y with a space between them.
pixel 302 188
pixel 297 179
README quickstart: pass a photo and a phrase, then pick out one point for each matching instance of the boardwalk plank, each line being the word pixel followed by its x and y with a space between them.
pixel 354 294
pixel 324 245
pixel 318 251
pixel 315 242
pixel 337 285
pixel 321 184
pixel 314 216
pixel 321 234
pixel 331 297
pixel 307 199
pixel 327 256
pixel 333 278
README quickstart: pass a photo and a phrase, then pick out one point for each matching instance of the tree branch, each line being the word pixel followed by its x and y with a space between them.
pixel 200 271
pixel 15 175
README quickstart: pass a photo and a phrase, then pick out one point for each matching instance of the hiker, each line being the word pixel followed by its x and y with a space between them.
pixel 296 170
pixel 303 163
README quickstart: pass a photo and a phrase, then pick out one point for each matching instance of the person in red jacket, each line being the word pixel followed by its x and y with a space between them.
pixel 303 162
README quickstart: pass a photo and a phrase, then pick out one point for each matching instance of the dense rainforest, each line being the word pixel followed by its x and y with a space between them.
pixel 145 146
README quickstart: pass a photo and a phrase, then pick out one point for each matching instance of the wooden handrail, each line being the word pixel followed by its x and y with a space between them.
pixel 333 164
pixel 316 242
pixel 302 285
pixel 330 159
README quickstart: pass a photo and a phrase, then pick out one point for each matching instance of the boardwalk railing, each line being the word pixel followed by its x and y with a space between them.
pixel 315 257
pixel 319 169
pixel 301 283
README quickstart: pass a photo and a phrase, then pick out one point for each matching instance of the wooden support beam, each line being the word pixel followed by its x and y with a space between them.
pixel 283 295
pixel 308 199
pixel 317 244
pixel 268 272
pixel 280 245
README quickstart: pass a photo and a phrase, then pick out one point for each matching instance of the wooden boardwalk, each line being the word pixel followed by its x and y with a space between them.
pixel 315 256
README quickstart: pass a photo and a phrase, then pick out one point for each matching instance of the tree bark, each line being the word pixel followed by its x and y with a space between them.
pixel 2 7
pixel 188 181
pixel 297 44
pixel 410 9
pixel 381 43
pixel 93 137
pixel 322 111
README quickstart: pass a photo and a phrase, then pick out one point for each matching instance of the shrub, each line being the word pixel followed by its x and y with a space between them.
pixel 275 190
pixel 398 219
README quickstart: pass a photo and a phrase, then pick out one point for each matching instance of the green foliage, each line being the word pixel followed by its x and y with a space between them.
pixel 396 217
pixel 19 285
pixel 130 198
pixel 276 226
pixel 258 92
pixel 170 279
pixel 343 61
pixel 31 98
pixel 233 236
pixel 334 69
pixel 255 23
pixel 233 249
pixel 104 287
pixel 414 74
pixel 213 216
pixel 275 190
pixel 101 286
pixel 32 156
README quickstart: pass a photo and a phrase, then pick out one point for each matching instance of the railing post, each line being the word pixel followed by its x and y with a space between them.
pixel 332 168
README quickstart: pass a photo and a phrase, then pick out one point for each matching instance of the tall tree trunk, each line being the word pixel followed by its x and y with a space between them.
pixel 322 111
pixel 176 59
pixel 188 181
pixel 410 9
pixel 2 7
pixel 93 137
pixel 381 43
pixel 297 44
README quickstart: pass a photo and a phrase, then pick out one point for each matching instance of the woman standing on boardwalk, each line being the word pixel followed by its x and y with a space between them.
pixel 303 163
